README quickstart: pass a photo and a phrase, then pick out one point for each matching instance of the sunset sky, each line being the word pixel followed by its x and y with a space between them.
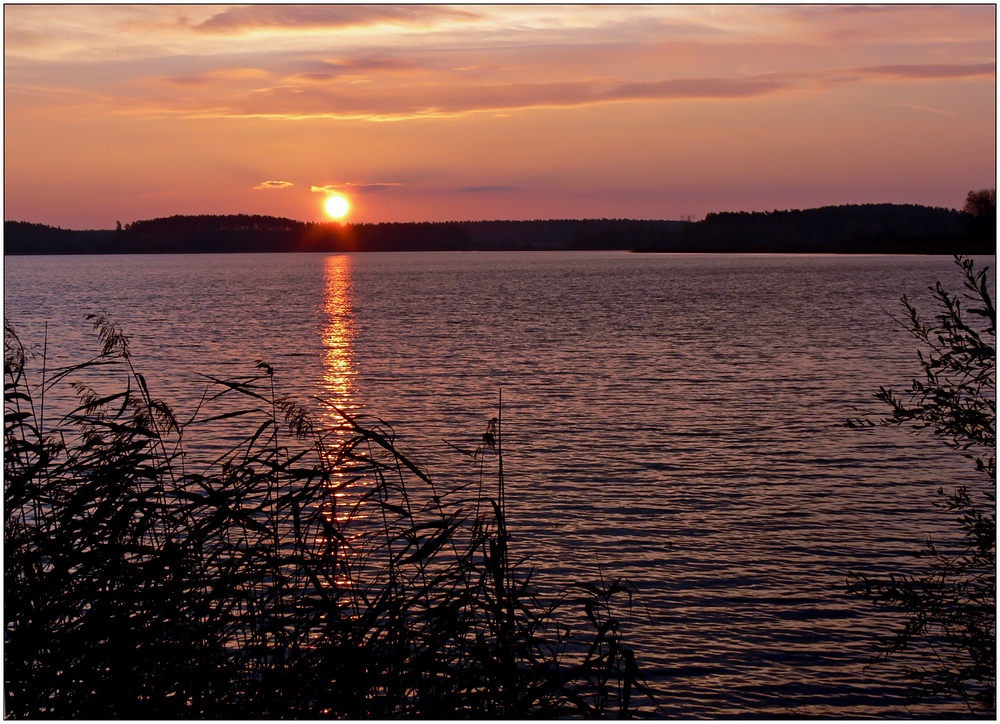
pixel 433 112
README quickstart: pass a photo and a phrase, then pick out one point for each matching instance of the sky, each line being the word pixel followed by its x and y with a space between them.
pixel 436 113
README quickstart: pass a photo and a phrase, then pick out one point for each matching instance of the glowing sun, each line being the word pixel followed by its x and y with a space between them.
pixel 336 206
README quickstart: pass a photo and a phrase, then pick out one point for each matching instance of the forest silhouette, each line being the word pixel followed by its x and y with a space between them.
pixel 867 228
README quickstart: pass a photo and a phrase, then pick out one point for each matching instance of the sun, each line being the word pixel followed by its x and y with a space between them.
pixel 336 206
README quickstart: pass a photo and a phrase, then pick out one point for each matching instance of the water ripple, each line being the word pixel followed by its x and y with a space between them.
pixel 671 419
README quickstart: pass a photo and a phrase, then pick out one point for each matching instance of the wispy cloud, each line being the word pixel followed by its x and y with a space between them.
pixel 217 77
pixel 924 109
pixel 330 69
pixel 268 185
pixel 882 73
pixel 300 17
pixel 22 38
pixel 355 188
pixel 428 99
pixel 930 71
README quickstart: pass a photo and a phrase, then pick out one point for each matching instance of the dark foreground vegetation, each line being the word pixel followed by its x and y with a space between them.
pixel 302 571
pixel 950 607
pixel 866 229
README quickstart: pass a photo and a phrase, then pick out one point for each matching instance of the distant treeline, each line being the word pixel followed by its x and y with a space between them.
pixel 872 228
pixel 857 229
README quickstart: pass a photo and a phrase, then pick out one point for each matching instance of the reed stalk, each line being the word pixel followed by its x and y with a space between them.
pixel 297 573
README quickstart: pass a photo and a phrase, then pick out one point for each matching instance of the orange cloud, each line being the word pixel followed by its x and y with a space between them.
pixel 267 185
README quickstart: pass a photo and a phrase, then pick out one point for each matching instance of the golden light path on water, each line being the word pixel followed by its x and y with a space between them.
pixel 337 334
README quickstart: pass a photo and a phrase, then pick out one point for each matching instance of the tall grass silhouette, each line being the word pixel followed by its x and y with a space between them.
pixel 299 570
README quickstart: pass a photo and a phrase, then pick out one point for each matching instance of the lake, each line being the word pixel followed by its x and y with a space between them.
pixel 672 419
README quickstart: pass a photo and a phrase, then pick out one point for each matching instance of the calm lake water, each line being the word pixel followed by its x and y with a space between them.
pixel 675 420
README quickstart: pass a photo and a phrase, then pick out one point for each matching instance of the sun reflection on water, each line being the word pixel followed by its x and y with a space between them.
pixel 338 390
pixel 338 333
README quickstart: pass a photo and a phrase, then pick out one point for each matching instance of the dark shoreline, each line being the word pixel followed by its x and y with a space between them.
pixel 853 229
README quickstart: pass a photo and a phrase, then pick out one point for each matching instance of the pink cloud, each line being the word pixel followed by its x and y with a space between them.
pixel 216 77
pixel 931 71
pixel 453 98
pixel 252 17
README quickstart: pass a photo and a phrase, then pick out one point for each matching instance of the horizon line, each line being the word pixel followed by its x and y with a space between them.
pixel 495 221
